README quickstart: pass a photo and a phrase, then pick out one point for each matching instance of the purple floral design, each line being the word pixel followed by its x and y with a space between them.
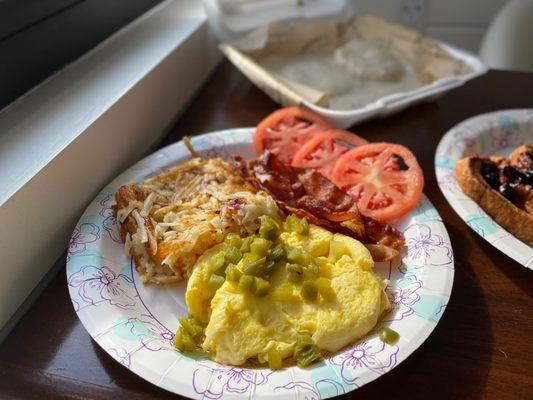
pixel 403 295
pixel 212 383
pixel 217 148
pixel 448 181
pixel 153 336
pixel 464 142
pixel 425 248
pixel 122 355
pixel 110 220
pixel 505 133
pixel 371 355
pixel 83 234
pixel 101 285
pixel 308 392
pixel 426 212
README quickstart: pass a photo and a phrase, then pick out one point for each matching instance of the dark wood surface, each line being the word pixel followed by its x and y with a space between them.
pixel 481 349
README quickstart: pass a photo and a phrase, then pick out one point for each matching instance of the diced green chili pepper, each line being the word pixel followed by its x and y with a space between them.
pixel 260 287
pixel 192 327
pixel 232 273
pixel 312 268
pixel 295 255
pixel 217 262
pixel 309 291
pixel 183 341
pixel 246 282
pixel 270 267
pixel 295 224
pixel 269 228
pixel 277 252
pixel 295 272
pixel 233 240
pixel 274 359
pixel 256 267
pixel 388 335
pixel 233 255
pixel 214 282
pixel 246 242
pixel 260 246
pixel 305 351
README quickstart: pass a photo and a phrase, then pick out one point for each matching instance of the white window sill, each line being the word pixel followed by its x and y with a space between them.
pixel 64 140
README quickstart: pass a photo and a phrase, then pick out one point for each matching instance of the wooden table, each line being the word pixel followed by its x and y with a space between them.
pixel 481 349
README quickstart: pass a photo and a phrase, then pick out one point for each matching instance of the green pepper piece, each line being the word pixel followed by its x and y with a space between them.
pixel 246 282
pixel 233 255
pixel 260 246
pixel 274 359
pixel 295 255
pixel 246 242
pixel 214 282
pixel 183 341
pixel 250 257
pixel 260 287
pixel 277 252
pixel 389 336
pixel 305 351
pixel 256 267
pixel 233 240
pixel 295 272
pixel 311 271
pixel 309 291
pixel 269 228
pixel 217 262
pixel 232 273
pixel 295 224
pixel 303 227
pixel 192 327
pixel 270 267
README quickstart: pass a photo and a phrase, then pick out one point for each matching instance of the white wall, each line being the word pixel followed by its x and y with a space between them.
pixel 459 22
pixel 68 137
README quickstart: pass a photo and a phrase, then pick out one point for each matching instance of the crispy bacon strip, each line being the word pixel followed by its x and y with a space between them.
pixel 309 194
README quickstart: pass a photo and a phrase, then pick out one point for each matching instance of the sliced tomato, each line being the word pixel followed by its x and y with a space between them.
pixel 324 148
pixel 284 131
pixel 383 178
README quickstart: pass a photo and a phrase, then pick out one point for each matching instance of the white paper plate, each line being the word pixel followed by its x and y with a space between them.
pixel 497 133
pixel 135 324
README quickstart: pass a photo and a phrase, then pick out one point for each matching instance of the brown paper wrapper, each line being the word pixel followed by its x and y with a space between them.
pixel 427 58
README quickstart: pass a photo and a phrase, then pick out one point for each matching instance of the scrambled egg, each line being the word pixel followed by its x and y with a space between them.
pixel 241 326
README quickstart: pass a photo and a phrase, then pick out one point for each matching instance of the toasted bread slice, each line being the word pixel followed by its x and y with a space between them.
pixel 514 158
pixel 505 213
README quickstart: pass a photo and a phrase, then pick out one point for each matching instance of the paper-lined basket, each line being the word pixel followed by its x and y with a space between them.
pixel 439 67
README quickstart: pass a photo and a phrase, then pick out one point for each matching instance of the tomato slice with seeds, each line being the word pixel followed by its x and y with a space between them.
pixel 323 149
pixel 285 131
pixel 383 178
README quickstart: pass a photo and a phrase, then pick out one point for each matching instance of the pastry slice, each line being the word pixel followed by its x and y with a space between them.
pixel 503 188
